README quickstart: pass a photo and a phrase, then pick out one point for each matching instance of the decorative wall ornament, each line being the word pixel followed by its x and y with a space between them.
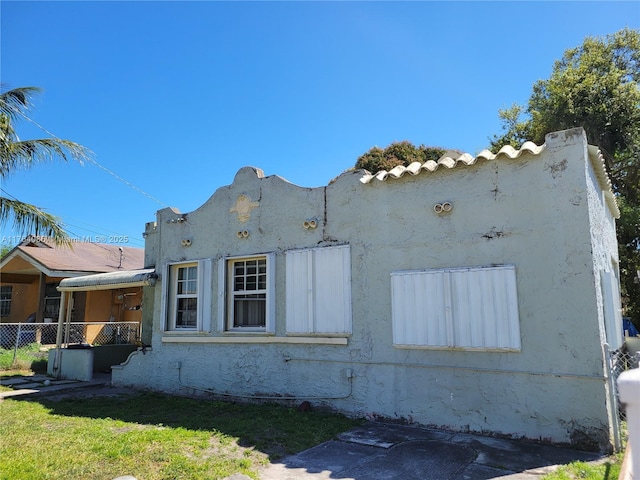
pixel 442 207
pixel 243 207
pixel 310 223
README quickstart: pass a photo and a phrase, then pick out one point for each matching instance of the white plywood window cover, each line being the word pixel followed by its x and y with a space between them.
pixel 468 308
pixel 318 290
pixel 612 309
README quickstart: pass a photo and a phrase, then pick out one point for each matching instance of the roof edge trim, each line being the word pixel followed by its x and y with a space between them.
pixel 110 281
pixel 416 168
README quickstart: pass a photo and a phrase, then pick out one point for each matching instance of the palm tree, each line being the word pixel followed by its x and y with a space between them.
pixel 16 154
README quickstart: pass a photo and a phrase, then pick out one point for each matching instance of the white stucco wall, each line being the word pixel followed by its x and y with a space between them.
pixel 537 212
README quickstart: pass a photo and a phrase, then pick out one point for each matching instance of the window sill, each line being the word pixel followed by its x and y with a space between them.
pixel 264 339
pixel 458 349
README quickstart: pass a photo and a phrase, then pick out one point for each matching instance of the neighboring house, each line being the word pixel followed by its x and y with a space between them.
pixel 31 273
pixel 473 294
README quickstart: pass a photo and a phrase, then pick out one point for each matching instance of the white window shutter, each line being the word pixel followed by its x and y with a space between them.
pixel 420 309
pixel 612 309
pixel 318 290
pixel 165 298
pixel 462 308
pixel 222 301
pixel 485 307
pixel 270 324
pixel 299 291
pixel 332 289
pixel 205 291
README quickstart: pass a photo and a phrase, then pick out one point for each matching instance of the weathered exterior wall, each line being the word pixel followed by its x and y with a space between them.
pixel 24 301
pixel 98 306
pixel 534 212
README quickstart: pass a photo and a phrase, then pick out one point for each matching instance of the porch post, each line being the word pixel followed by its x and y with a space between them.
pixel 68 322
pixel 61 316
pixel 41 289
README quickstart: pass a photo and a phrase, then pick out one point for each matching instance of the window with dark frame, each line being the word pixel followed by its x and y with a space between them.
pixel 5 300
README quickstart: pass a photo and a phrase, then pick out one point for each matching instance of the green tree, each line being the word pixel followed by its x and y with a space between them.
pixel 398 153
pixel 17 154
pixel 595 86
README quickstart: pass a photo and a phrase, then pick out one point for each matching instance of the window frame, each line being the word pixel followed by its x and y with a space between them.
pixel 226 294
pixel 176 296
pixel 202 296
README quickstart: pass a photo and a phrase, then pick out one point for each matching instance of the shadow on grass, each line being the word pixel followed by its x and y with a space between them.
pixel 273 429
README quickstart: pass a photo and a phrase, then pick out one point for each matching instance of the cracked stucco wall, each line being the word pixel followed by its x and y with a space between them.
pixel 537 212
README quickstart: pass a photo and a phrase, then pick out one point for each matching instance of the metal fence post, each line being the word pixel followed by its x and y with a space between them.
pixel 613 398
pixel 15 348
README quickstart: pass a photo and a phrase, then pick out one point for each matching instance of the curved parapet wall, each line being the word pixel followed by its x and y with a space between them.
pixel 459 293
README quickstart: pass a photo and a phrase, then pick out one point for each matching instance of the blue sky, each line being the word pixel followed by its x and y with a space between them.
pixel 176 97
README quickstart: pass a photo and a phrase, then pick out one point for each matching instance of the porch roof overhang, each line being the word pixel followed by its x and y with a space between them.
pixel 110 281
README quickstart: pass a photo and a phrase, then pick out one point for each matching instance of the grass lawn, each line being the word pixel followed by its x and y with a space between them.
pixel 29 357
pixel 152 436
pixel 610 470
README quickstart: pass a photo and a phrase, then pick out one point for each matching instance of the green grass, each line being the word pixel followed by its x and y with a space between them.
pixel 152 436
pixel 609 470
pixel 29 357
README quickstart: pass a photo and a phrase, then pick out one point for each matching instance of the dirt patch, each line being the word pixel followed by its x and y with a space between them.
pixel 89 392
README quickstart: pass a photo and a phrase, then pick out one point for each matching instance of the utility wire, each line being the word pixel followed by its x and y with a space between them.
pixel 92 160
pixel 101 229
pixel 66 225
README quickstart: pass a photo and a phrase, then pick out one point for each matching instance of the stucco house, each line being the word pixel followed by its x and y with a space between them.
pixel 472 293
pixel 31 273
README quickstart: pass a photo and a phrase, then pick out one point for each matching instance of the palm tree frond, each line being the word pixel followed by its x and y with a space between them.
pixel 13 102
pixel 29 219
pixel 23 155
pixel 16 154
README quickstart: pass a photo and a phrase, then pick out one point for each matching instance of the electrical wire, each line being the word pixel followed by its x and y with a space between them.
pixel 74 234
pixel 92 160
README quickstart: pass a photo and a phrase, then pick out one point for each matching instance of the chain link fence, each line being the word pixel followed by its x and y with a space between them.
pixel 620 361
pixel 21 343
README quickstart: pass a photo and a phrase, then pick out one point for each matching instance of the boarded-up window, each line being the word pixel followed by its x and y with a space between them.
pixel 318 285
pixel 469 308
pixel 612 309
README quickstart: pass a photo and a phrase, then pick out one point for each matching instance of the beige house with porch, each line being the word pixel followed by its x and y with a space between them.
pixel 31 273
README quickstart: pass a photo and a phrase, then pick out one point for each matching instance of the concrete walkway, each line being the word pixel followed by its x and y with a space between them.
pixel 41 384
pixel 378 451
